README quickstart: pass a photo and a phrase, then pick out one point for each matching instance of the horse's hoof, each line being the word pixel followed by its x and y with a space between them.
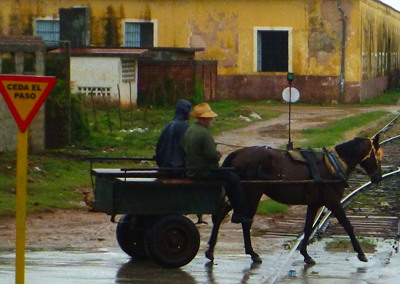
pixel 309 261
pixel 362 257
pixel 256 259
pixel 210 255
pixel 209 264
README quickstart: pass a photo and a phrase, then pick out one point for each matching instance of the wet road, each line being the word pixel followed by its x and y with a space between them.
pixel 110 265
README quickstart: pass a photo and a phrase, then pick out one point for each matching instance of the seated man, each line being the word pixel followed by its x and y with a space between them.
pixel 201 153
pixel 169 149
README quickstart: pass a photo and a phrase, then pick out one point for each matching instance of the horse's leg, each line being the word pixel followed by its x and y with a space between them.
pixel 253 198
pixel 247 243
pixel 217 220
pixel 311 213
pixel 339 213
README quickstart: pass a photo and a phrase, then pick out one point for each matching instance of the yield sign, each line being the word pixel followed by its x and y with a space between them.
pixel 25 95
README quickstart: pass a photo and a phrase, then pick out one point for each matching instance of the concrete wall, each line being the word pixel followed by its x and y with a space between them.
pixel 185 75
pixel 8 128
pixel 102 72
pixel 226 30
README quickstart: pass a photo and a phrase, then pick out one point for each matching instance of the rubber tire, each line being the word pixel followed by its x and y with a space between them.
pixel 173 241
pixel 131 232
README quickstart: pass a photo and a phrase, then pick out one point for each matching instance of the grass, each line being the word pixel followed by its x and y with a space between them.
pixel 141 128
pixel 331 133
pixel 344 245
pixel 56 177
pixel 388 98
pixel 269 206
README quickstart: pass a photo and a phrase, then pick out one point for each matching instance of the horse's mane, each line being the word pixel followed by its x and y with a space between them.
pixel 349 148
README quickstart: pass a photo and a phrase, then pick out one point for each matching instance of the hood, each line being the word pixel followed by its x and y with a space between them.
pixel 182 109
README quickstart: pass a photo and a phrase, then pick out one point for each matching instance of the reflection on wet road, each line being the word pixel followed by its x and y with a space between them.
pixel 113 266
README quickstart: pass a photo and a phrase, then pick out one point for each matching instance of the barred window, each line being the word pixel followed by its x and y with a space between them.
pixel 49 30
pixel 272 51
pixel 139 34
pixel 95 91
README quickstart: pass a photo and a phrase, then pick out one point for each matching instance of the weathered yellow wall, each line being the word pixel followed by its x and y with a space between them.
pixel 381 39
pixel 226 29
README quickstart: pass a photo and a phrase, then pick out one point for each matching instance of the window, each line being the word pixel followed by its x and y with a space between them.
pixel 139 34
pixel 95 91
pixel 48 29
pixel 273 50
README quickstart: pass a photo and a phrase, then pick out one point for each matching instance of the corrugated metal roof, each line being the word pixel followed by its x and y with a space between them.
pixel 24 43
pixel 104 51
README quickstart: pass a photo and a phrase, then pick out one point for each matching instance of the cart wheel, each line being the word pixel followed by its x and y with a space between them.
pixel 131 232
pixel 173 241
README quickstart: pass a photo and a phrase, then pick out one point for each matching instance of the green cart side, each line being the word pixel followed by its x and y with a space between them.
pixel 153 196
pixel 154 225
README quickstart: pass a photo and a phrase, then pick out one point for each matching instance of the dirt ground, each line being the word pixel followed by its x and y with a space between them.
pixel 58 229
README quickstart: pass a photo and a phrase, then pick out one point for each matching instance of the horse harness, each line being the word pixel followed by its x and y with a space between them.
pixel 335 164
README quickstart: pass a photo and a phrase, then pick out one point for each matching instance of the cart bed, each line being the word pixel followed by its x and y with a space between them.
pixel 119 192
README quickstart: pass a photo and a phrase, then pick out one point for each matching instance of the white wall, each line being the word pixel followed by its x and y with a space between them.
pixel 102 72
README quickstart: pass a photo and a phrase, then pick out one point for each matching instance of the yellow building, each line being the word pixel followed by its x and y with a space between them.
pixel 339 50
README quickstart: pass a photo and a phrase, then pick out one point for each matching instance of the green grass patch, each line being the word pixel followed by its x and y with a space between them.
pixel 344 245
pixel 55 177
pixel 388 98
pixel 269 206
pixel 52 182
pixel 141 127
pixel 334 132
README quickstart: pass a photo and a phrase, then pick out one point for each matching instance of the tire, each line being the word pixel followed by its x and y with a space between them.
pixel 131 232
pixel 173 241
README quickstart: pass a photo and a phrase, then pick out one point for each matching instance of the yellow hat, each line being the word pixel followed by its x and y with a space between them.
pixel 203 110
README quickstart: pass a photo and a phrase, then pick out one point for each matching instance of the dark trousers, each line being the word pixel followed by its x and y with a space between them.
pixel 233 190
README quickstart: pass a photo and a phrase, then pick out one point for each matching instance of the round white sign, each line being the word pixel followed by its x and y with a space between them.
pixel 291 95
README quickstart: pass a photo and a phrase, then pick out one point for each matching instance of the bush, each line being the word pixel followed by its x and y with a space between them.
pixel 65 119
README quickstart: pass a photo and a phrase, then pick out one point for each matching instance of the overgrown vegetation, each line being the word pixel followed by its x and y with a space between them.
pixel 345 245
pixel 330 134
pixel 65 121
pixel 389 98
pixel 269 206
pixel 56 178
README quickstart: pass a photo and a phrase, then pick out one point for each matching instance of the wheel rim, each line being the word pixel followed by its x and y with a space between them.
pixel 174 240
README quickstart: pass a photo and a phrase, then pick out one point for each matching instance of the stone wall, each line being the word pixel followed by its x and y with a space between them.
pixel 9 129
pixel 19 46
pixel 185 74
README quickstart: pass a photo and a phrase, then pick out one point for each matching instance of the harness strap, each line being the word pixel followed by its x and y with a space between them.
pixel 312 163
pixel 337 167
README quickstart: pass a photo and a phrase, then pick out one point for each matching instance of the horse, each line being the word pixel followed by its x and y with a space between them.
pixel 263 163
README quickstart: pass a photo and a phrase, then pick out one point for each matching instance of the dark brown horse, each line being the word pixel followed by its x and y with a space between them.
pixel 255 163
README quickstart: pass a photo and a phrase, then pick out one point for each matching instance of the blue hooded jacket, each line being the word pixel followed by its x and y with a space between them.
pixel 169 150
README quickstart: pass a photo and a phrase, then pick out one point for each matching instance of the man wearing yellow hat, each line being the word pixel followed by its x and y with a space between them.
pixel 201 153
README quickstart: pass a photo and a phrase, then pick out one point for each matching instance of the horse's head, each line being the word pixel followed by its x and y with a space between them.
pixel 366 152
pixel 373 159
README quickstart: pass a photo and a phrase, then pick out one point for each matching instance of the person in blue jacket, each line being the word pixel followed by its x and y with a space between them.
pixel 169 149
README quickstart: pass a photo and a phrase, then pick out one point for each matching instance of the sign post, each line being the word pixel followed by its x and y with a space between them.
pixel 24 96
pixel 290 95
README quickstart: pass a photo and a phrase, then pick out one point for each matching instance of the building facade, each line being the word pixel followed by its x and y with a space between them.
pixel 339 50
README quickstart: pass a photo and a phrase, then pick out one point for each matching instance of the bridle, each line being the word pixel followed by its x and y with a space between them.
pixel 377 153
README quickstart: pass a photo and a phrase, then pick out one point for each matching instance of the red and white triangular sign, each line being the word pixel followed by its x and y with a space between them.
pixel 25 95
